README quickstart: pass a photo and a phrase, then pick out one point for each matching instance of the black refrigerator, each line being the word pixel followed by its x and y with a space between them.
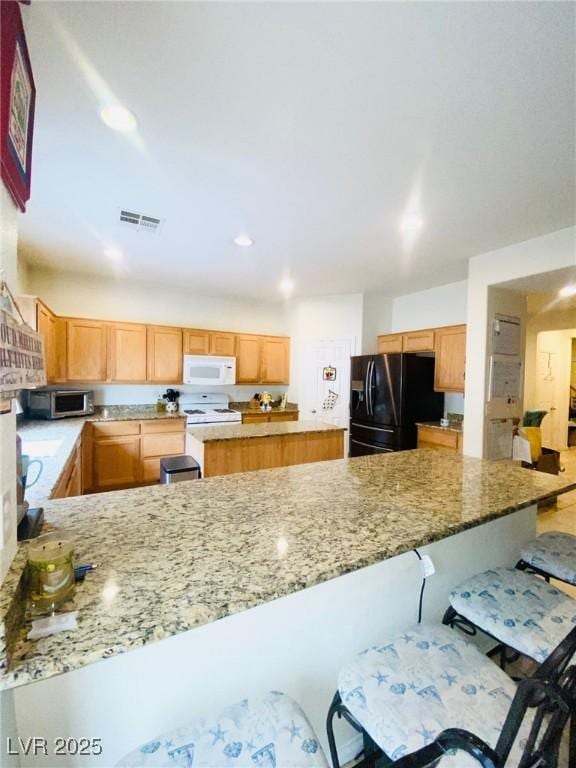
pixel 389 394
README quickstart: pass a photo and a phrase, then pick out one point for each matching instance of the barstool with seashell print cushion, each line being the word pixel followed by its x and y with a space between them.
pixel 430 697
pixel 552 555
pixel 269 731
pixel 522 611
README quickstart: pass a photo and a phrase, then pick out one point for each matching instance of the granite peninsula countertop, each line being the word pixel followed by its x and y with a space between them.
pixel 247 431
pixel 175 557
pixel 53 441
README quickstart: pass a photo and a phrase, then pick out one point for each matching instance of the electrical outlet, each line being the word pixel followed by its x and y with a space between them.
pixel 428 568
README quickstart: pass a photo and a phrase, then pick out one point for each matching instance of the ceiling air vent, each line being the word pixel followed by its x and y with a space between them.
pixel 140 223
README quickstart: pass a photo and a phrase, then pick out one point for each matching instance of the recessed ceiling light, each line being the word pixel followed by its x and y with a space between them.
pixel 243 241
pixel 286 287
pixel 118 118
pixel 411 223
pixel 567 291
pixel 113 253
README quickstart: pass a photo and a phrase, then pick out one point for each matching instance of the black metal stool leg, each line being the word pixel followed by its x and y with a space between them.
pixel 334 710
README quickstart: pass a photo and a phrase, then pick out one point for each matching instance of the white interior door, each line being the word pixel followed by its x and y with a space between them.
pixel 319 355
pixel 552 385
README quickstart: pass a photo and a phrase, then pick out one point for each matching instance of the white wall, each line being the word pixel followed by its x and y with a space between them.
pixel 132 301
pixel 444 305
pixel 556 250
pixel 8 243
pixel 8 265
pixel 376 319
pixel 324 317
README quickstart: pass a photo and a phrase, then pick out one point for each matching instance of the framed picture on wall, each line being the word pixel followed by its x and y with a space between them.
pixel 17 102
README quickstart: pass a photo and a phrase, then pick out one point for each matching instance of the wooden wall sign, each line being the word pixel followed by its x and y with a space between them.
pixel 17 101
pixel 22 362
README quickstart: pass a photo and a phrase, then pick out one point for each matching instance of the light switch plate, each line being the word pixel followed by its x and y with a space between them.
pixel 6 522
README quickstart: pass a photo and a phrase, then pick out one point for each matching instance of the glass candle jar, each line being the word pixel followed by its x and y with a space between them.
pixel 51 573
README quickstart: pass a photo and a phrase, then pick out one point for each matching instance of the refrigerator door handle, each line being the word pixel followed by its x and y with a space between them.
pixel 374 429
pixel 371 387
pixel 367 445
pixel 366 383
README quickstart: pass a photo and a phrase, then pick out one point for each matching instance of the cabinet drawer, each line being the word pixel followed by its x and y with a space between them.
pixel 255 418
pixel 437 438
pixel 284 416
pixel 418 341
pixel 151 470
pixel 113 428
pixel 162 445
pixel 162 425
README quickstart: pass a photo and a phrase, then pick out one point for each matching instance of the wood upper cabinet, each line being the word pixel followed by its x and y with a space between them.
pixel 86 346
pixel 275 360
pixel 196 342
pixel 164 354
pixel 222 343
pixel 390 343
pixel 46 326
pixel 247 359
pixel 450 367
pixel 127 352
pixel 418 341
pixel 412 341
pixel 199 342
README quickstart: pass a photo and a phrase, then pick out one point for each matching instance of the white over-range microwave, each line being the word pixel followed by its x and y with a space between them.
pixel 208 369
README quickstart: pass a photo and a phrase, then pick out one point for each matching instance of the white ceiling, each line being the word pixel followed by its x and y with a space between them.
pixel 310 126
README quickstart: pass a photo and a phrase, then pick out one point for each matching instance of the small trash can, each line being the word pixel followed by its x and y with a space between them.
pixel 173 469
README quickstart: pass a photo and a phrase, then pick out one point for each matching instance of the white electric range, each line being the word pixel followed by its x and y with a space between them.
pixel 208 411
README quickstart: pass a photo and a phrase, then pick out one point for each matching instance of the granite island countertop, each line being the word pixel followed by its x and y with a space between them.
pixel 247 431
pixel 53 441
pixel 454 426
pixel 245 407
pixel 175 557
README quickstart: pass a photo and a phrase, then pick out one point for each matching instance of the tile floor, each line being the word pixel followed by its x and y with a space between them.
pixel 562 516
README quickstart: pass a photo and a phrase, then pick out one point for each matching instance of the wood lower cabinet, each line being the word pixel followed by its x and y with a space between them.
pixel 86 351
pixel 70 481
pixel 164 354
pixel 116 462
pixel 127 353
pixel 266 418
pixel 450 367
pixel 124 454
pixel 225 457
pixel 439 439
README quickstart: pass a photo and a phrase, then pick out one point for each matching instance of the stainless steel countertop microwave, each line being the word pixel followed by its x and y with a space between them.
pixel 60 403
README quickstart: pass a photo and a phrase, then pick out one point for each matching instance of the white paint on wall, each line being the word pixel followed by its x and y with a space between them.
pixel 556 250
pixel 444 305
pixel 147 394
pixel 101 298
pixel 376 319
pixel 8 265
pixel 326 317
pixel 296 644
